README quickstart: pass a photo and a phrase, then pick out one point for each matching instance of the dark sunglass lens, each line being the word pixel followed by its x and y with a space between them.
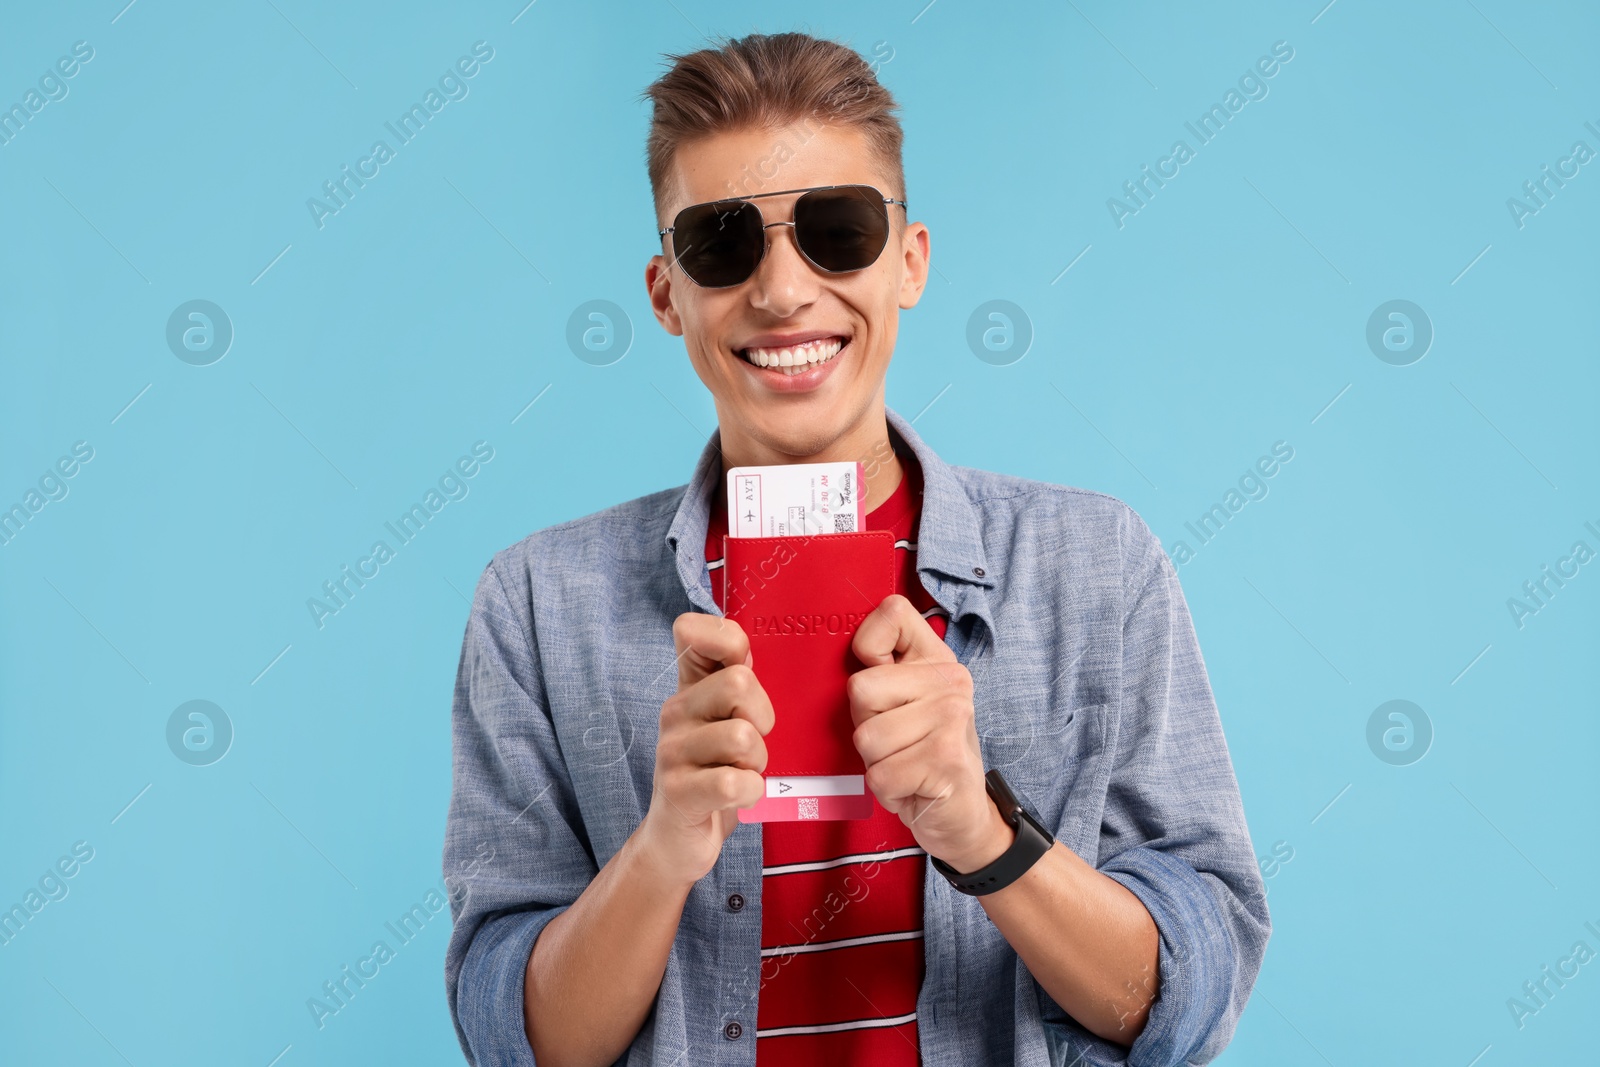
pixel 718 244
pixel 841 229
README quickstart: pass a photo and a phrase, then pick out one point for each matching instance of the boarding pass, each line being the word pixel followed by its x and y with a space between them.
pixel 794 499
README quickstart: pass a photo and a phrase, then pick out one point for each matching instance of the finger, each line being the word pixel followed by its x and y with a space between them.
pixel 705 644
pixel 884 735
pixel 726 742
pixel 874 690
pixel 703 790
pixel 732 692
pixel 907 773
pixel 896 631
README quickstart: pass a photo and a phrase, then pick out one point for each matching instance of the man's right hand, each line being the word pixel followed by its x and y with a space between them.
pixel 711 751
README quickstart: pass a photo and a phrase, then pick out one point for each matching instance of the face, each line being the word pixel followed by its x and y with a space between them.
pixel 833 410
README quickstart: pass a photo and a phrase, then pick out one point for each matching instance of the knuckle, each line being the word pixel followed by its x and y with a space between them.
pixel 745 737
pixel 740 681
pixel 729 781
pixel 754 742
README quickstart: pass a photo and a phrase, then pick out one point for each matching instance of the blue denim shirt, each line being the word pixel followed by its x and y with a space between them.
pixel 1090 695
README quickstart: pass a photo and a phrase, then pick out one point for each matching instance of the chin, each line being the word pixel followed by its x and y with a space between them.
pixel 804 428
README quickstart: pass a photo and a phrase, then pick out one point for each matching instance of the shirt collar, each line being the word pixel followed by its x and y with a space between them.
pixel 950 556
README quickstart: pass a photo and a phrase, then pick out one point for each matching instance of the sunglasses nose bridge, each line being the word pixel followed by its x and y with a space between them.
pixel 799 274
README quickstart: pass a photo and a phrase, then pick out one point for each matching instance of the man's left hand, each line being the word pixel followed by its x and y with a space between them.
pixel 916 730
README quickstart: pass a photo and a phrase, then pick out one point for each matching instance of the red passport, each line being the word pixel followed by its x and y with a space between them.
pixel 799 600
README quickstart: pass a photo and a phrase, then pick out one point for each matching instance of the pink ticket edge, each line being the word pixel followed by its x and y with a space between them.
pixel 829 809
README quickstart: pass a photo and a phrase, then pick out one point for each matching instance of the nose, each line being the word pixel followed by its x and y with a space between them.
pixel 785 280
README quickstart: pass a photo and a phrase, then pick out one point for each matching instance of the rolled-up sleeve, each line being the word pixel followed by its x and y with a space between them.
pixel 515 851
pixel 1174 830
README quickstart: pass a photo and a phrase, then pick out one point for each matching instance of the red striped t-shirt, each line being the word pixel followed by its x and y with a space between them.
pixel 841 902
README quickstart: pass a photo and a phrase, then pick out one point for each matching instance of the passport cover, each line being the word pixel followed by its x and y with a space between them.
pixel 799 600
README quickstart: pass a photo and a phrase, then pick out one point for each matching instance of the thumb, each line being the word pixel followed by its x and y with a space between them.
pixel 895 632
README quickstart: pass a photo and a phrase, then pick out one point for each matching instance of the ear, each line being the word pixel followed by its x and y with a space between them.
pixel 658 281
pixel 914 272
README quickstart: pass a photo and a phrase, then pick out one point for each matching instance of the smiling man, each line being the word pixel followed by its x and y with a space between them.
pixel 1058 868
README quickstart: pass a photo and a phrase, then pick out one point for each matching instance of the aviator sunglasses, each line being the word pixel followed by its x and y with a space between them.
pixel 838 228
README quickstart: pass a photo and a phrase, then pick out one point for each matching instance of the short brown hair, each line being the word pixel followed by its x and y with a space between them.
pixel 769 81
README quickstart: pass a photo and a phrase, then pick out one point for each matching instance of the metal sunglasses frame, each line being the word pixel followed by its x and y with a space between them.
pixel 765 226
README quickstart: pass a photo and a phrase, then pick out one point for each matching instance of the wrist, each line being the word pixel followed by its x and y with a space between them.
pixel 654 864
pixel 989 845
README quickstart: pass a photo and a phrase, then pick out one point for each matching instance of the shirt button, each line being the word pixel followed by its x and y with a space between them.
pixel 735 902
pixel 732 1031
pixel 979 571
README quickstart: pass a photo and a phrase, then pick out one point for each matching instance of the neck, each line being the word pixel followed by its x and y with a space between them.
pixel 883 473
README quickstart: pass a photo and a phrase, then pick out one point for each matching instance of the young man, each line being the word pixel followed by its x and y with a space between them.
pixel 608 722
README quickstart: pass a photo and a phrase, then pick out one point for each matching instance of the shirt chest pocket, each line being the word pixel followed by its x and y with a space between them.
pixel 1056 759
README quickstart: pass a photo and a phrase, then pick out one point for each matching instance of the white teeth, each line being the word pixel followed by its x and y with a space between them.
pixel 796 358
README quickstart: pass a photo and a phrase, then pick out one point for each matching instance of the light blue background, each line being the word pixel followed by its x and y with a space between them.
pixel 1225 316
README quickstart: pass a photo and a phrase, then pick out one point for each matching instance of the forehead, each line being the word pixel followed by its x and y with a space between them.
pixel 756 160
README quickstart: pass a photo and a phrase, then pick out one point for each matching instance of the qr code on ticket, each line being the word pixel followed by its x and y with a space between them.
pixel 844 522
pixel 808 807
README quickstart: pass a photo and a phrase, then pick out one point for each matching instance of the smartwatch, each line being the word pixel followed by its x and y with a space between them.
pixel 1032 841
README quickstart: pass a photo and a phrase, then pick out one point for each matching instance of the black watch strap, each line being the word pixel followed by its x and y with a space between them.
pixel 1032 842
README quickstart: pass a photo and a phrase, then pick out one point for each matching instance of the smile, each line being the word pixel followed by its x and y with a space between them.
pixel 795 359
